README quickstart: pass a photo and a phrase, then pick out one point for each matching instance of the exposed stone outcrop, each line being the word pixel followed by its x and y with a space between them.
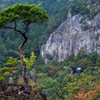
pixel 16 92
pixel 69 37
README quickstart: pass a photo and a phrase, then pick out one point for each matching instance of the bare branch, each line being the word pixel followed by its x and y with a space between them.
pixel 17 29
pixel 8 27
pixel 26 23
pixel 15 24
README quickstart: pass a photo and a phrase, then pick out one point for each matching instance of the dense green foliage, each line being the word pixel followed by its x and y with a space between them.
pixel 65 81
pixel 10 65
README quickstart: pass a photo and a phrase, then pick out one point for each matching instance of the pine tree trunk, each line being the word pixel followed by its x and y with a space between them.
pixel 24 66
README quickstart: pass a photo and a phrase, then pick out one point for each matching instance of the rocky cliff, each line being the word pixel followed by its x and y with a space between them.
pixel 71 35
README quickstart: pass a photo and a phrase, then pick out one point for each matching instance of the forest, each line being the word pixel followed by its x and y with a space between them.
pixel 58 80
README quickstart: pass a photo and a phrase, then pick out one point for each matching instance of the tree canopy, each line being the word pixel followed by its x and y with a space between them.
pixel 28 13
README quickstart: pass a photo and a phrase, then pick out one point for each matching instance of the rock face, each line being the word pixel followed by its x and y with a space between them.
pixel 16 92
pixel 70 37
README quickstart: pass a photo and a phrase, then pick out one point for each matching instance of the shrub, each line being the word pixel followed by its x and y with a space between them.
pixel 82 19
pixel 46 68
pixel 49 56
pixel 86 26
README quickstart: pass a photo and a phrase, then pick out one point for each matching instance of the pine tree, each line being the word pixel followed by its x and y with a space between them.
pixel 28 14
